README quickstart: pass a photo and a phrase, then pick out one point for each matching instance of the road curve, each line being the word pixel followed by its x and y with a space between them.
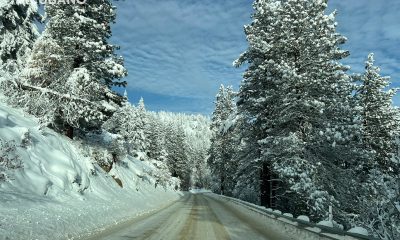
pixel 194 216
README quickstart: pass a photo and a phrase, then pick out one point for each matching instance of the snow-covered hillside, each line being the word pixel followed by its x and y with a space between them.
pixel 53 192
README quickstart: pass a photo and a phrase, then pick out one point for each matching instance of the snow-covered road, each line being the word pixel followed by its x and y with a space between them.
pixel 194 216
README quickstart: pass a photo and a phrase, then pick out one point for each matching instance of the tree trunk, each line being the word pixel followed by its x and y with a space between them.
pixel 268 186
pixel 222 187
pixel 69 131
pixel 265 188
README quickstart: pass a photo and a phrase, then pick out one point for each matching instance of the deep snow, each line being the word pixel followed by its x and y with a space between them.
pixel 60 194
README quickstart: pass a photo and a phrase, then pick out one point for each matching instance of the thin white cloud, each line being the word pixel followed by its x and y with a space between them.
pixel 371 26
pixel 169 45
pixel 184 48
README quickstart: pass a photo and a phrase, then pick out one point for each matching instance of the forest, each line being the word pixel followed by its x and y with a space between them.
pixel 303 134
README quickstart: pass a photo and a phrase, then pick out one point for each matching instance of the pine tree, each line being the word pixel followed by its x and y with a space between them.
pixel 177 158
pixel 246 156
pixel 221 149
pixel 293 92
pixel 144 134
pixel 156 136
pixel 380 127
pixel 378 116
pixel 17 32
pixel 72 67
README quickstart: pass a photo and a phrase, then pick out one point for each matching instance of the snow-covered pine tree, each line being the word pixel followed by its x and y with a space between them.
pixel 142 118
pixel 155 133
pixel 130 122
pixel 221 150
pixel 379 117
pixel 293 90
pixel 17 32
pixel 246 156
pixel 380 127
pixel 177 160
pixel 73 67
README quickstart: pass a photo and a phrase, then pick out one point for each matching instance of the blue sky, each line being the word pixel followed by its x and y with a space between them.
pixel 178 52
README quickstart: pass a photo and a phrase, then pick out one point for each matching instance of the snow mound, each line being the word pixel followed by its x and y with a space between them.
pixel 325 223
pixel 359 230
pixel 303 218
pixel 288 215
pixel 278 212
pixel 59 192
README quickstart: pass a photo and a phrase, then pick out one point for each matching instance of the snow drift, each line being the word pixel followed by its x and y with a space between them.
pixel 50 190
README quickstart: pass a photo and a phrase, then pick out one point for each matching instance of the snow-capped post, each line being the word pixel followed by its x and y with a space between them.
pixel 330 214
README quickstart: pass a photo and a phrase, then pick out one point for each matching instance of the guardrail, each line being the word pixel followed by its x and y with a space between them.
pixel 323 231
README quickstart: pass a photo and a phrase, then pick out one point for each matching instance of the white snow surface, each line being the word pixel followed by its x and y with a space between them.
pixel 304 218
pixel 56 196
pixel 359 230
pixel 288 215
pixel 325 223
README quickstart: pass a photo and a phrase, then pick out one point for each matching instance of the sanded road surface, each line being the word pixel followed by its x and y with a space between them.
pixel 194 216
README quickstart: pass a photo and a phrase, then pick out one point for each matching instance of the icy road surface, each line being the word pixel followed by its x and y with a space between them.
pixel 195 216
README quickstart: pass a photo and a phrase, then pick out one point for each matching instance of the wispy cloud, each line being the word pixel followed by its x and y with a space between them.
pixel 179 52
pixel 371 26
pixel 181 49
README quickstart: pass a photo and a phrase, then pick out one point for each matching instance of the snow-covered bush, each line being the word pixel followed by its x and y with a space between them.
pixel 9 159
pixel 103 158
pixel 26 139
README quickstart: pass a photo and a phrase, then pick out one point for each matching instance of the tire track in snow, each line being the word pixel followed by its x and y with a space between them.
pixel 194 217
pixel 202 222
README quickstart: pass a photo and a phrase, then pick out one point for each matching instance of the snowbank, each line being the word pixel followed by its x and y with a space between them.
pixel 300 228
pixel 59 194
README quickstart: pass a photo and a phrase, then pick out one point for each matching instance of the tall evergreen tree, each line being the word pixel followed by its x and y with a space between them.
pixel 381 175
pixel 155 133
pixel 73 67
pixel 142 120
pixel 177 158
pixel 295 95
pixel 379 118
pixel 221 150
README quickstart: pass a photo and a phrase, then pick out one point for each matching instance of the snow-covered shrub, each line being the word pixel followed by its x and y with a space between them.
pixel 102 157
pixel 26 139
pixel 9 160
pixel 103 148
